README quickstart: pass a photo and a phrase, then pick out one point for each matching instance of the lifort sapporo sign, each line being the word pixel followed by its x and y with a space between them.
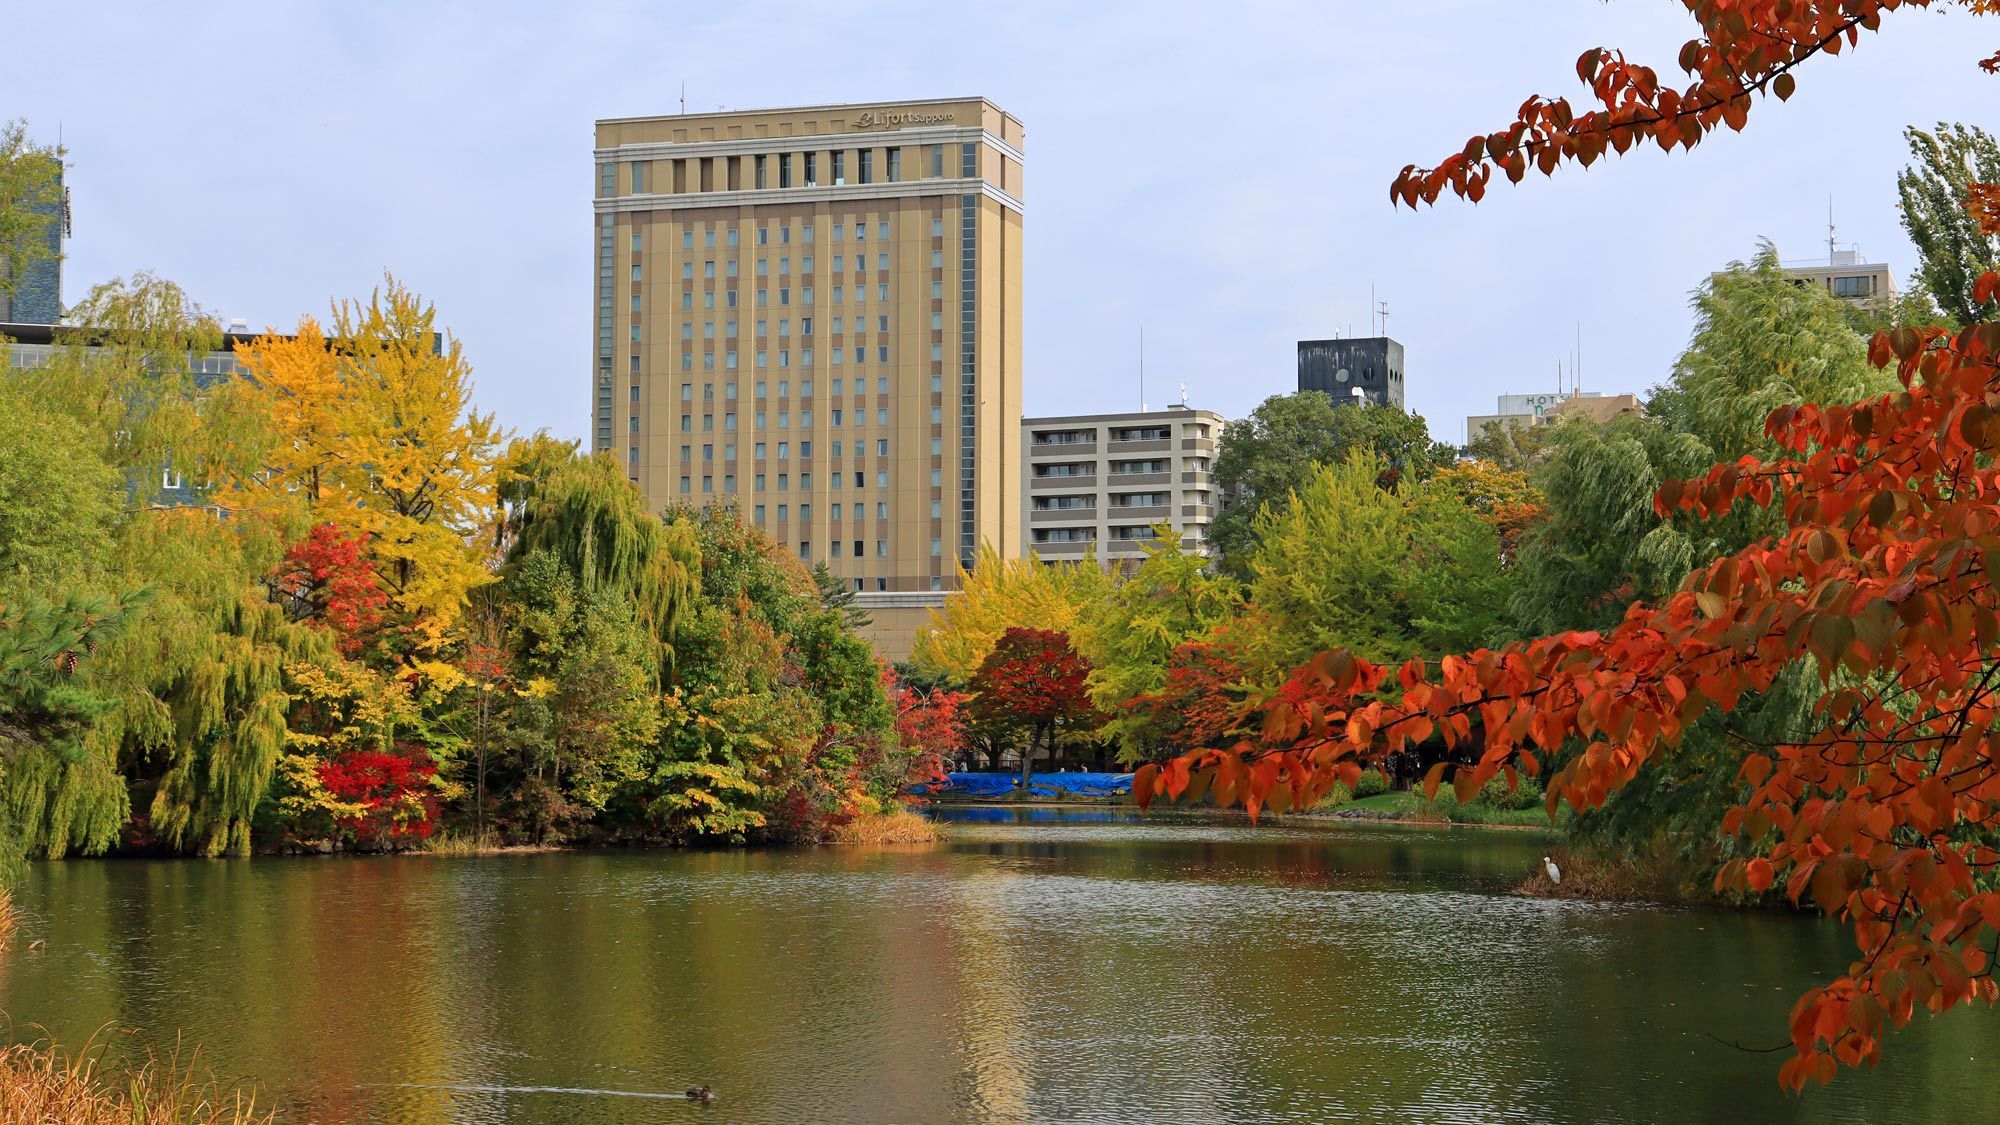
pixel 873 120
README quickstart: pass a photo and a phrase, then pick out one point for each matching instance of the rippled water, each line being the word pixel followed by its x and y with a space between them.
pixel 1074 967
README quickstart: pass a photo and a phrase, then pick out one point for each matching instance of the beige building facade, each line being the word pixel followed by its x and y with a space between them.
pixel 1548 408
pixel 1849 278
pixel 1097 484
pixel 815 314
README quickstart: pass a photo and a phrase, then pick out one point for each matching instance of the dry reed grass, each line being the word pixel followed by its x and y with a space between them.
pixel 898 826
pixel 10 918
pixel 1586 875
pixel 41 1085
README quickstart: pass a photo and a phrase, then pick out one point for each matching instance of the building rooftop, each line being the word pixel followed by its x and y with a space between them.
pixel 825 106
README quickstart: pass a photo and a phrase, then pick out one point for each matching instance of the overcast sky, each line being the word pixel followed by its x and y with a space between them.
pixel 1215 172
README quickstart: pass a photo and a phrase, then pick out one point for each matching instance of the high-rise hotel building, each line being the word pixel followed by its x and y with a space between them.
pixel 816 313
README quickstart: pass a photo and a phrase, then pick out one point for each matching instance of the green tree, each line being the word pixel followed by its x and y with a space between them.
pixel 1272 452
pixel 585 716
pixel 1129 635
pixel 1518 448
pixel 55 793
pixel 31 205
pixel 199 674
pixel 584 512
pixel 58 499
pixel 1933 190
pixel 775 709
pixel 1385 573
pixel 1761 340
pixel 1599 544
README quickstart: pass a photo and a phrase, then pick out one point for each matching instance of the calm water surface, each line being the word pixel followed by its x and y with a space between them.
pixel 1084 966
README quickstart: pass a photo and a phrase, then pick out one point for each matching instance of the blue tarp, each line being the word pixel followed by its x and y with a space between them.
pixel 1040 785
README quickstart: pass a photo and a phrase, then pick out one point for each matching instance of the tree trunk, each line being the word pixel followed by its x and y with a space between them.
pixel 1028 758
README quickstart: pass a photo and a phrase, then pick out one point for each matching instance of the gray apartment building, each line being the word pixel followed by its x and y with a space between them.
pixel 1100 483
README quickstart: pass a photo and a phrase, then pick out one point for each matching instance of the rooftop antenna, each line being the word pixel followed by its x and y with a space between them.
pixel 684 96
pixel 1832 248
pixel 1385 319
pixel 1184 397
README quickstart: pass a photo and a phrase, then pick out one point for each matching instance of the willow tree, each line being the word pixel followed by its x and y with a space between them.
pixel 195 683
pixel 583 511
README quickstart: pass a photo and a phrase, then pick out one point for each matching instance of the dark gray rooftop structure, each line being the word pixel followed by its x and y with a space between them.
pixel 1369 367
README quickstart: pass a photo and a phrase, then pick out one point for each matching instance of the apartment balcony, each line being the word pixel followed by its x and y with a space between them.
pixel 1198 511
pixel 1067 449
pixel 1150 445
pixel 1074 550
pixel 1149 513
pixel 1073 484
pixel 1198 445
pixel 1062 515
pixel 1139 480
pixel 1194 476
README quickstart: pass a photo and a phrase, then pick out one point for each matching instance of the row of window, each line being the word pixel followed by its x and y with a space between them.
pixel 785 327
pixel 1089 534
pixel 784 357
pixel 784 298
pixel 763 171
pixel 1118 468
pixel 858 418
pixel 1118 500
pixel 784 450
pixel 784 481
pixel 805 234
pixel 785 388
pixel 784 266
pixel 1122 433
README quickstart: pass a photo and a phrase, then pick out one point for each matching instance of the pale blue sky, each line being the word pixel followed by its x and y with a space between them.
pixel 272 156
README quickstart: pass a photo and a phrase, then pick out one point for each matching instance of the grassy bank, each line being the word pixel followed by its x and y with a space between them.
pixel 1495 805
pixel 899 826
pixel 1410 805
pixel 43 1085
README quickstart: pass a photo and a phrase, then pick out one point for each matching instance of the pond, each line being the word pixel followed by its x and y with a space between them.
pixel 1042 965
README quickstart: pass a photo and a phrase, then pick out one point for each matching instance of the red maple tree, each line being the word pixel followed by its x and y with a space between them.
pixel 931 723
pixel 395 790
pixel 327 579
pixel 1033 680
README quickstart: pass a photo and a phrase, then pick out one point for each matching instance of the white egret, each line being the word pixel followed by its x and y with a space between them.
pixel 1555 873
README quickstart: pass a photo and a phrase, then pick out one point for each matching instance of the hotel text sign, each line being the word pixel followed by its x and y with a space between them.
pixel 873 120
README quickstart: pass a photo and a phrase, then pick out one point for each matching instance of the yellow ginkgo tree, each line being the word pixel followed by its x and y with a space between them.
pixel 371 427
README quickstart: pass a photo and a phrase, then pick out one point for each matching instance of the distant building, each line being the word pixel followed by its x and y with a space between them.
pixel 1849 278
pixel 1542 409
pixel 38 297
pixel 1370 365
pixel 31 345
pixel 1102 481
pixel 815 313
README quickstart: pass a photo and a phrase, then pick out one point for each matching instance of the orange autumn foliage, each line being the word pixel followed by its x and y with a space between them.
pixel 1746 48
